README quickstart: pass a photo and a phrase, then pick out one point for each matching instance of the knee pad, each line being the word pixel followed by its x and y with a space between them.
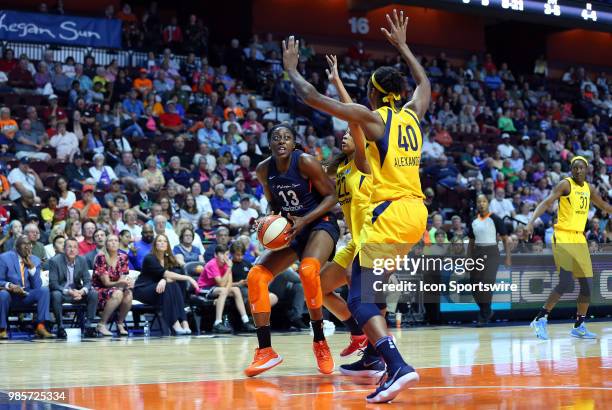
pixel 258 280
pixel 309 270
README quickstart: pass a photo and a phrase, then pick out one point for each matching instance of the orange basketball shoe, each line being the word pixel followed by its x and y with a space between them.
pixel 325 361
pixel 357 342
pixel 264 359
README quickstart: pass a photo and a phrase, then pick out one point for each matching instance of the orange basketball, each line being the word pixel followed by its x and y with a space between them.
pixel 199 269
pixel 272 232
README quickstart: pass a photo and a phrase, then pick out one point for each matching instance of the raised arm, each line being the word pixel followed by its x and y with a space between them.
pixel 598 201
pixel 371 123
pixel 397 36
pixel 561 189
pixel 356 131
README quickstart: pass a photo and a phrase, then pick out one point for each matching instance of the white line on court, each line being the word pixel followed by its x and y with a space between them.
pixel 462 387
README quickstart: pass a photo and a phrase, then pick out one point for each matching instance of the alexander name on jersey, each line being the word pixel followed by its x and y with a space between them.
pixel 407 161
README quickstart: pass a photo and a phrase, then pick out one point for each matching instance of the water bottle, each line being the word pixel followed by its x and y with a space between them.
pixel 147 329
pixel 226 322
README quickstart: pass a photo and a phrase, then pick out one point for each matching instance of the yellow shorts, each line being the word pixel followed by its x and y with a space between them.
pixel 344 257
pixel 571 253
pixel 391 228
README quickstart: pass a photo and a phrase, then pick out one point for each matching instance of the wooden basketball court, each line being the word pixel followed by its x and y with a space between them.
pixel 460 368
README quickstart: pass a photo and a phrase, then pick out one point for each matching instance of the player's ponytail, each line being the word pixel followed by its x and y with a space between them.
pixel 332 165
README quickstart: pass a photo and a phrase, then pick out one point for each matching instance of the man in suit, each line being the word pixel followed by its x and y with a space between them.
pixel 21 285
pixel 69 281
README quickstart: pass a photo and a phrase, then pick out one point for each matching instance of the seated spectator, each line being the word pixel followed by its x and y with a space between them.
pixel 88 243
pixel 33 234
pixel 161 228
pixel 20 77
pixel 216 279
pixel 132 105
pixel 29 142
pixel 87 206
pixel 205 230
pixel 78 176
pixel 189 210
pixel 21 285
pixel 128 171
pixel 210 135
pixel 185 252
pixel 153 174
pixel 500 205
pixel 65 143
pixel 170 120
pixel 242 216
pixel 24 207
pixel 54 110
pixel 70 281
pixel 142 247
pixel 24 179
pixel 202 201
pixel 111 281
pixel 159 283
pixel 102 174
pixel 100 242
pixel 221 237
pixel 442 136
pixel 178 150
pixel 56 246
pixel 142 84
pixel 130 219
pixel 222 207
pixel 15 230
pixel 8 126
pixel 176 173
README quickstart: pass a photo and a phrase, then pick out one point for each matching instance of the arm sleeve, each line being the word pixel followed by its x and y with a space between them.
pixel 500 227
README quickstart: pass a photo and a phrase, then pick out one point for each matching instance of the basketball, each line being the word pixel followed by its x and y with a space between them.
pixel 199 269
pixel 272 232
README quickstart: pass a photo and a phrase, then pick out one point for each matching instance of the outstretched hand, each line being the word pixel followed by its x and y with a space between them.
pixel 397 29
pixel 332 71
pixel 291 53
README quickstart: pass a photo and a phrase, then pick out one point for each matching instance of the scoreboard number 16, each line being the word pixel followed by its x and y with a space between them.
pixel 359 25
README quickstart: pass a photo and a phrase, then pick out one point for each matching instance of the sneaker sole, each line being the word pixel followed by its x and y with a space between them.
pixel 344 353
pixel 328 372
pixel 269 365
pixel 395 389
pixel 361 373
pixel 583 337
pixel 535 329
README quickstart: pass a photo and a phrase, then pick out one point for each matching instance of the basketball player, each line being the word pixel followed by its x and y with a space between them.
pixel 570 248
pixel 296 186
pixel 353 187
pixel 397 215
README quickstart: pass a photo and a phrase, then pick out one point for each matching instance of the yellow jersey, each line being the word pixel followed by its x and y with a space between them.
pixel 574 208
pixel 395 158
pixel 353 188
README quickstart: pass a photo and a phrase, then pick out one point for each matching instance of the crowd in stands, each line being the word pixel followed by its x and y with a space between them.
pixel 102 153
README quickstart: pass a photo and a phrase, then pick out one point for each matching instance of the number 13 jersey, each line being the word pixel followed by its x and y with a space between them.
pixel 395 158
pixel 291 191
pixel 574 208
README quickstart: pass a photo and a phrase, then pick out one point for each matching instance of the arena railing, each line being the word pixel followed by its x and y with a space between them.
pixel 102 56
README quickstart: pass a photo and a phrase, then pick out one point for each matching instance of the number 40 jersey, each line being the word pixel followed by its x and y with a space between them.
pixel 291 191
pixel 395 158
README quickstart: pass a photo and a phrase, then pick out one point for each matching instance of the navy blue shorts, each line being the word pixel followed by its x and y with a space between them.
pixel 326 223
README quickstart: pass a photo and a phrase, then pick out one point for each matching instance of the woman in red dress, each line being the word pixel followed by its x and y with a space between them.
pixel 110 279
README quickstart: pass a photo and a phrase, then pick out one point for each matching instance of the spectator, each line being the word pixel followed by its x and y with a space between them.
pixel 217 281
pixel 222 237
pixel 29 142
pixel 65 143
pixel 176 173
pixel 159 283
pixel 102 174
pixel 78 176
pixel 99 237
pixel 143 84
pixel 33 234
pixel 111 281
pixel 222 207
pixel 500 205
pixel 88 243
pixel 70 281
pixel 160 227
pixel 505 148
pixel 8 126
pixel 243 216
pixel 132 105
pixel 190 211
pixel 87 206
pixel 209 135
pixel 172 34
pixel 22 288
pixel 128 171
pixel 24 179
pixel 20 77
pixel 185 252
pixel 142 247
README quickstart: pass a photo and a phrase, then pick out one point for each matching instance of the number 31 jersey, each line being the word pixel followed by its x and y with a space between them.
pixel 395 158
pixel 292 192
pixel 574 208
